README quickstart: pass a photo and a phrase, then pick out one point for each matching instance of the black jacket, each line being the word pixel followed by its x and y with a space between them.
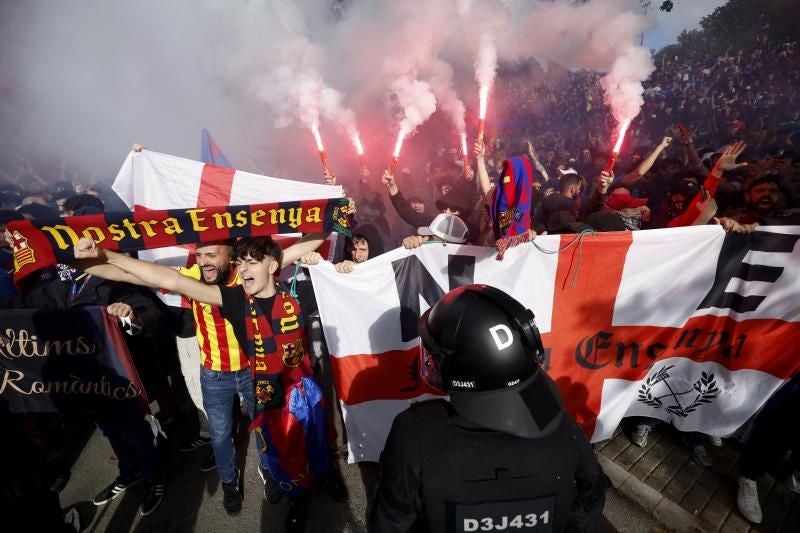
pixel 442 474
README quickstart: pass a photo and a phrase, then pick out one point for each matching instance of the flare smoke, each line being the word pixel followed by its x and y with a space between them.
pixel 290 64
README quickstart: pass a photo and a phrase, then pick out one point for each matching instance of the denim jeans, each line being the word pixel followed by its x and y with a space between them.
pixel 220 390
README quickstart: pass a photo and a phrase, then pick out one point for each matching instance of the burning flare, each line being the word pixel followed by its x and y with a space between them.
pixel 623 128
pixel 483 95
pixel 464 153
pixel 317 138
pixel 401 135
pixel 358 145
pixel 323 155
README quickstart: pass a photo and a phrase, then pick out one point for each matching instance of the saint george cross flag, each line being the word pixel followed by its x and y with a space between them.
pixel 692 326
pixel 159 181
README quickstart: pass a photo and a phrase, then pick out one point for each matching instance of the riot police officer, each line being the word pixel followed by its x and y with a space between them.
pixel 502 455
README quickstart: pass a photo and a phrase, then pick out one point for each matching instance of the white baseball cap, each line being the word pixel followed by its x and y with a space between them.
pixel 447 227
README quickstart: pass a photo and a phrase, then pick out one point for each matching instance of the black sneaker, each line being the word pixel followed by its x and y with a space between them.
pixel 199 442
pixel 232 496
pixel 296 519
pixel 335 486
pixel 119 486
pixel 272 493
pixel 209 463
pixel 153 494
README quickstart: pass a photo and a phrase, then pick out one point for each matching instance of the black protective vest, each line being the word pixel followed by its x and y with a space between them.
pixel 442 474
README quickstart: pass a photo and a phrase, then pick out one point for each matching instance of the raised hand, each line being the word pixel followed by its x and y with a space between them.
pixel 728 159
pixel 479 150
pixel 604 182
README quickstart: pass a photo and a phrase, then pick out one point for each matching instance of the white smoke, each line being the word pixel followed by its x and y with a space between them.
pixel 623 84
pixel 486 62
pixel 83 84
pixel 440 78
pixel 417 101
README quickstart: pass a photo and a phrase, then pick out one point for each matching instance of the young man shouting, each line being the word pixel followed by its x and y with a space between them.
pixel 269 327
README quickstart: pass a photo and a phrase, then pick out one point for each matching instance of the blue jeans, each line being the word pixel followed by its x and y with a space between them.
pixel 220 390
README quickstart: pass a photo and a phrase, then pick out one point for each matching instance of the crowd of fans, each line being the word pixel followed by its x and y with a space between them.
pixel 694 108
pixel 717 141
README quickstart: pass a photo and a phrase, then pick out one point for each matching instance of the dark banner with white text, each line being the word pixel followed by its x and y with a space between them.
pixel 71 361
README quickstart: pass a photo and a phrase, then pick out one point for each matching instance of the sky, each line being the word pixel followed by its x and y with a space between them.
pixel 685 15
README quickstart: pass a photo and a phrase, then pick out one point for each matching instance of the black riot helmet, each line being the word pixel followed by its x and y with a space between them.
pixel 483 348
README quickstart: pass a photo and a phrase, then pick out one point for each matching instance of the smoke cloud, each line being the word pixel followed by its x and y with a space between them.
pixel 82 84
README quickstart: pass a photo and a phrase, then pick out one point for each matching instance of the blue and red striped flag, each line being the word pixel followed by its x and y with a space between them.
pixel 210 152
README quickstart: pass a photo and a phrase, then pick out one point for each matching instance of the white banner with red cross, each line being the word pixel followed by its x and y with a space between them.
pixel 160 181
pixel 693 326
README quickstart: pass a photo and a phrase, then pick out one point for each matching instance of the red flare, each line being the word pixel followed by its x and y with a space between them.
pixel 317 138
pixel 396 154
pixel 464 154
pixel 323 155
pixel 358 145
pixel 483 95
pixel 401 135
pixel 623 128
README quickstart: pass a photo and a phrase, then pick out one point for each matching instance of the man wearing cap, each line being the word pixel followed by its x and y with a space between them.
pixel 444 228
pixel 502 454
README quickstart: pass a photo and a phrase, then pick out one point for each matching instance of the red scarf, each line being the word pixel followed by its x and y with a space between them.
pixel 277 349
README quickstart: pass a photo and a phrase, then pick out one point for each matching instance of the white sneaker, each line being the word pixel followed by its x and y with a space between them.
pixel 793 482
pixel 747 500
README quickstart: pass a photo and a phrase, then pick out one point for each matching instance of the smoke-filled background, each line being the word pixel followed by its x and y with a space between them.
pixel 81 81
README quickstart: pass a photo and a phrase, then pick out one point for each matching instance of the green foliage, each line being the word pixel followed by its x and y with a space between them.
pixel 737 24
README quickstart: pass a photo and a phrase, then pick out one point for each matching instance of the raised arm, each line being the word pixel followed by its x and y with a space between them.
pixel 307 244
pixel 151 273
pixel 538 164
pixel 646 164
pixel 101 269
pixel 691 153
pixel 485 183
